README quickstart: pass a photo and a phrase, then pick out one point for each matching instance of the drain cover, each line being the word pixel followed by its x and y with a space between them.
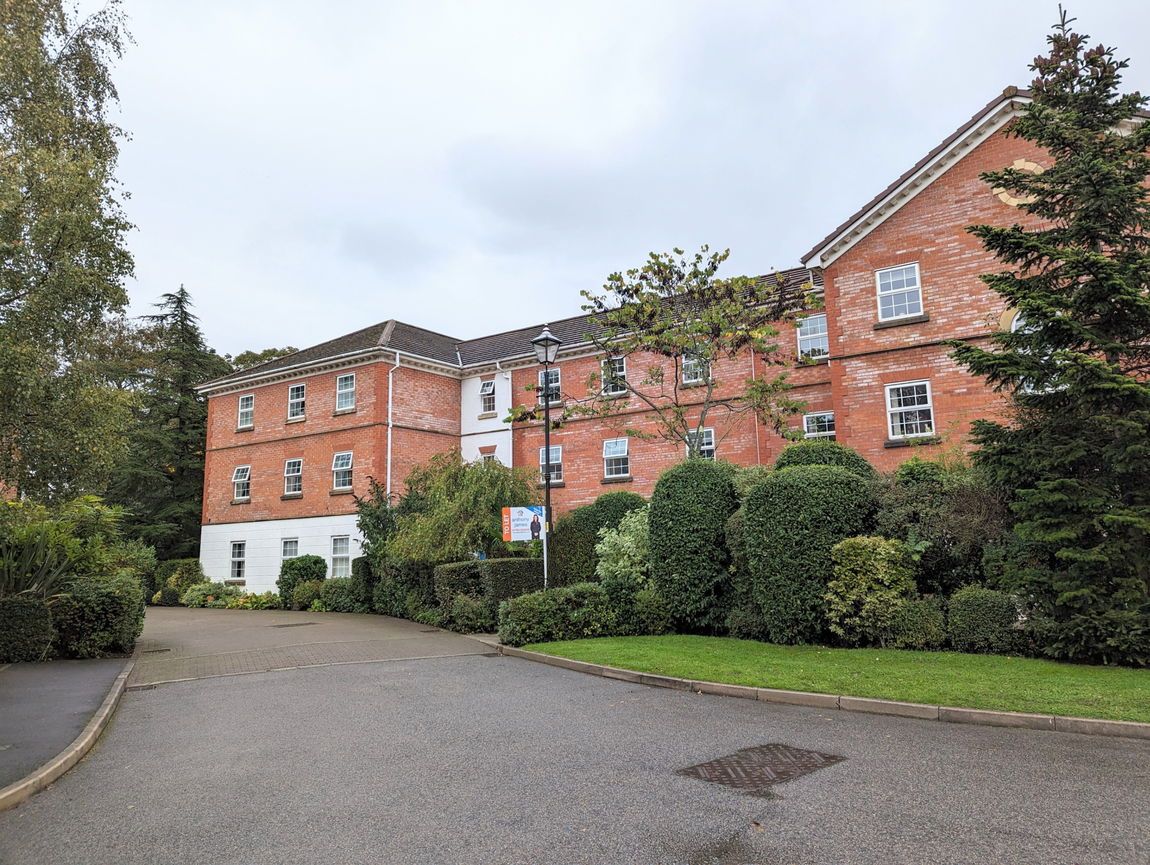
pixel 154 651
pixel 755 770
pixel 294 625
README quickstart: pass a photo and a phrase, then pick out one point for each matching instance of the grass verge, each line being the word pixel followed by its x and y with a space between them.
pixel 936 678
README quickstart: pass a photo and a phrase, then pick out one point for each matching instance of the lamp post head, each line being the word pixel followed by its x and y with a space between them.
pixel 546 346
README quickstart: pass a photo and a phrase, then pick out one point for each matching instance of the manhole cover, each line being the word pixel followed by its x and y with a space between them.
pixel 294 625
pixel 154 651
pixel 429 630
pixel 755 770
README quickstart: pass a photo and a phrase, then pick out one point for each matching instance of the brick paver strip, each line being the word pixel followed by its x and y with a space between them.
pixel 151 671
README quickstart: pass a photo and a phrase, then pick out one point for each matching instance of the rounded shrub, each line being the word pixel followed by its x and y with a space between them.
pixel 793 520
pixel 212 595
pixel 687 526
pixel 471 615
pixel 98 615
pixel 918 624
pixel 824 452
pixel 301 569
pixel 569 613
pixel 304 594
pixel 983 620
pixel 180 574
pixel 26 631
pixel 919 472
pixel 652 617
pixel 873 578
pixel 572 543
pixel 340 595
pixel 166 597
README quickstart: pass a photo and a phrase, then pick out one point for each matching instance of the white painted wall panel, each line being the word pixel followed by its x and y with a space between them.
pixel 264 546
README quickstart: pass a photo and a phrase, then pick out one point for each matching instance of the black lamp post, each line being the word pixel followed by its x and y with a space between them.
pixel 546 349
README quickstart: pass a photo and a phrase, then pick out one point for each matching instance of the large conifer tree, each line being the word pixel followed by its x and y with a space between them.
pixel 1077 451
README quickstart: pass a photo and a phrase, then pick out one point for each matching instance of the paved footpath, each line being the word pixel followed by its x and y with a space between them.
pixel 468 758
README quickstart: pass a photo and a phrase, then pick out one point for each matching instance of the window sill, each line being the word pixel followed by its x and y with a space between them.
pixel 687 385
pixel 558 404
pixel 340 411
pixel 288 496
pixel 621 395
pixel 896 322
pixel 241 429
pixel 916 441
pixel 349 491
pixel 246 501
pixel 622 479
pixel 554 485
pixel 487 415
pixel 823 360
pixel 296 419
pixel 240 582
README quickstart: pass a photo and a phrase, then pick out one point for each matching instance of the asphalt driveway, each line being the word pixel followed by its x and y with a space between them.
pixel 469 758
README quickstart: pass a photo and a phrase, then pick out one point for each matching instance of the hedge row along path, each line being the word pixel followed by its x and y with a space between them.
pixel 989 682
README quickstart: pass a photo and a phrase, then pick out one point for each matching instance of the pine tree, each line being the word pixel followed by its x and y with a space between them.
pixel 161 483
pixel 1077 450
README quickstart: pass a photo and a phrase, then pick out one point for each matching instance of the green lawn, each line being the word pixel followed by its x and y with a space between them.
pixel 936 678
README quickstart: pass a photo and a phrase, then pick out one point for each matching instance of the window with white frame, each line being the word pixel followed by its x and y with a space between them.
pixel 554 465
pixel 549 390
pixel 246 416
pixel 239 554
pixel 293 477
pixel 813 340
pixel 706 437
pixel 487 396
pixel 242 483
pixel 616 462
pixel 614 376
pixel 345 392
pixel 341 471
pixel 490 458
pixel 296 401
pixel 819 425
pixel 909 410
pixel 695 369
pixel 289 548
pixel 899 292
pixel 341 556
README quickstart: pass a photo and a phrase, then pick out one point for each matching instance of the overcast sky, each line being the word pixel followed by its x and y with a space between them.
pixel 307 169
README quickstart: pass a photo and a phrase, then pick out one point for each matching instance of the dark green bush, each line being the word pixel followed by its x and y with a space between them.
pixel 793 519
pixel 568 613
pixel 651 614
pixel 98 616
pixel 212 595
pixel 918 624
pixel 823 452
pixel 363 581
pixel 457 578
pixel 471 615
pixel 304 594
pixel 166 597
pixel 340 595
pixel 572 544
pixel 389 599
pixel 301 569
pixel 745 621
pixel 919 472
pixel 26 631
pixel 409 586
pixel 180 574
pixel 689 559
pixel 983 620
pixel 509 578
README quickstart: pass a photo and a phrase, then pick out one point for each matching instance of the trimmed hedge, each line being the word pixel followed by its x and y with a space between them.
pixel 301 569
pixel 304 594
pixel 983 620
pixel 688 520
pixel 340 595
pixel 471 615
pixel 363 580
pixel 404 588
pixel 792 521
pixel 493 580
pixel 572 543
pixel 98 616
pixel 823 452
pixel 918 624
pixel 569 613
pixel 26 631
pixel 874 577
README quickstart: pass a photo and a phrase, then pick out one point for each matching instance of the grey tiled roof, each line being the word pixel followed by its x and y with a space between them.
pixel 398 336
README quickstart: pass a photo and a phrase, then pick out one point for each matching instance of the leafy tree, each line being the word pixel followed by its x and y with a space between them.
pixel 63 261
pixel 453 509
pixel 674 313
pixel 1076 449
pixel 161 483
pixel 246 359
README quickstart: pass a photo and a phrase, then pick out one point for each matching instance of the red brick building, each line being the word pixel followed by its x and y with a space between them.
pixel 291 441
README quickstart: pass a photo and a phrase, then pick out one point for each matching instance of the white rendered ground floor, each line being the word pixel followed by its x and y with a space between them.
pixel 250 554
